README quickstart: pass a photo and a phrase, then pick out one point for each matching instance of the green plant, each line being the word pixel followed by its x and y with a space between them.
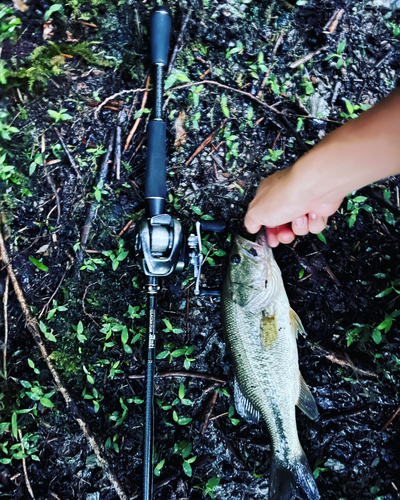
pixel 5 129
pixel 210 251
pixel 274 155
pixel 175 76
pixel 209 486
pixel 169 328
pixel 177 353
pixel 116 416
pixel 339 55
pixel 362 333
pixel 224 105
pixel 238 49
pixel 308 85
pixel 231 413
pixel 60 115
pixel 184 449
pixel 110 327
pixel 117 255
pixel 95 398
pixel 354 205
pixel 8 23
pixel 351 109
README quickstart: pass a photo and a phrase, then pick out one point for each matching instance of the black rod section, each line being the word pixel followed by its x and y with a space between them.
pixel 156 175
pixel 152 289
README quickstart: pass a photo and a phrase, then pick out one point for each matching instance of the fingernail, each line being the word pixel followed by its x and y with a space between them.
pixel 313 216
pixel 300 221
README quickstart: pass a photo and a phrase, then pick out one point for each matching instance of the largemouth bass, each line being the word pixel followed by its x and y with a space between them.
pixel 260 330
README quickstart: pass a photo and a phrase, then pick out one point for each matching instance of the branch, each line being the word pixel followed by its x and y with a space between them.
pixel 33 326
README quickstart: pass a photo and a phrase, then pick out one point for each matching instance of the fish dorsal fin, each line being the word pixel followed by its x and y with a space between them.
pixel 269 331
pixel 243 406
pixel 306 401
pixel 295 321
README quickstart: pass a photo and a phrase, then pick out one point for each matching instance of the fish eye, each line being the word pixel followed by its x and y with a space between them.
pixel 235 259
pixel 266 283
pixel 253 252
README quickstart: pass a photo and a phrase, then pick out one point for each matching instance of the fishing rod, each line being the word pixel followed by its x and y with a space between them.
pixel 160 246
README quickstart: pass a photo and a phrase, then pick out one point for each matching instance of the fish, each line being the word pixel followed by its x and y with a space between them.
pixel 260 330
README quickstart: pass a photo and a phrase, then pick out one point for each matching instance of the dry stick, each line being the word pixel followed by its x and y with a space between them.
pixel 206 142
pixel 5 302
pixel 253 98
pixel 54 293
pixel 50 180
pixel 391 419
pixel 28 483
pixel 94 206
pixel 208 412
pixel 182 374
pixel 66 150
pixel 341 360
pixel 33 326
pixel 178 45
pixel 117 151
pixel 137 121
pixel 306 58
pixel 133 91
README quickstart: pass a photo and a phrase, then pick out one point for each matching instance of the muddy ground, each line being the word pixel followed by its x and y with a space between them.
pixel 343 284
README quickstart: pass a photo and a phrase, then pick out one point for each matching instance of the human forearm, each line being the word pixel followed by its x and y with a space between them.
pixel 360 152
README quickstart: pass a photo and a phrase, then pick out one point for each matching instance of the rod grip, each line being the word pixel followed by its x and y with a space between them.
pixel 160 26
pixel 156 171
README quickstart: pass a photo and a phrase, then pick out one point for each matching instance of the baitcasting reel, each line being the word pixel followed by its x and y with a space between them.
pixel 161 247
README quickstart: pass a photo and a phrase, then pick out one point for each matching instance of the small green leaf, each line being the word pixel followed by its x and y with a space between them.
pixel 181 393
pixel 321 237
pixel 341 46
pixel 187 468
pixel 54 8
pixel 124 335
pixel 384 293
pixel 377 336
pixel 46 402
pixel 38 264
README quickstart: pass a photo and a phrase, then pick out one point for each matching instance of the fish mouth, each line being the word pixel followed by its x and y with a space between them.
pixel 247 241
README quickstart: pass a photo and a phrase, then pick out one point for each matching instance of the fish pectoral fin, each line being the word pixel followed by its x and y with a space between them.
pixel 306 401
pixel 297 325
pixel 243 406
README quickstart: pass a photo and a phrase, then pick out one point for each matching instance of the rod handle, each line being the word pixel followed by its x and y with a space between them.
pixel 156 175
pixel 160 26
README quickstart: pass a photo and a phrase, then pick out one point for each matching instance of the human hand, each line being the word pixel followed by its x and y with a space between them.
pixel 287 206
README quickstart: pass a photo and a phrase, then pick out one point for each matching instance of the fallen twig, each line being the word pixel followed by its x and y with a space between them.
pixel 132 91
pixel 182 374
pixel 50 180
pixel 54 293
pixel 391 419
pixel 137 121
pixel 5 302
pixel 66 150
pixel 126 227
pixel 27 482
pixel 208 412
pixel 178 45
pixel 331 25
pixel 341 360
pixel 94 206
pixel 33 326
pixel 117 150
pixel 206 142
pixel 306 58
pixel 253 98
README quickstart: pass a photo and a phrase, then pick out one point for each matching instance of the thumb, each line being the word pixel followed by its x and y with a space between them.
pixel 251 225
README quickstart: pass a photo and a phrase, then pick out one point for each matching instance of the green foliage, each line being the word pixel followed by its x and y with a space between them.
pixel 274 155
pixel 354 205
pixel 59 115
pixel 184 449
pixel 8 23
pixel 47 61
pixel 117 255
pixel 342 60
pixel 351 109
pixel 363 333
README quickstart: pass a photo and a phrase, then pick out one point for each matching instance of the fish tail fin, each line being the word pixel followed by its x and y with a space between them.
pixel 290 480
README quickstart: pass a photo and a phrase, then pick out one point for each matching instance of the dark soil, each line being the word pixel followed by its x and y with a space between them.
pixel 332 282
